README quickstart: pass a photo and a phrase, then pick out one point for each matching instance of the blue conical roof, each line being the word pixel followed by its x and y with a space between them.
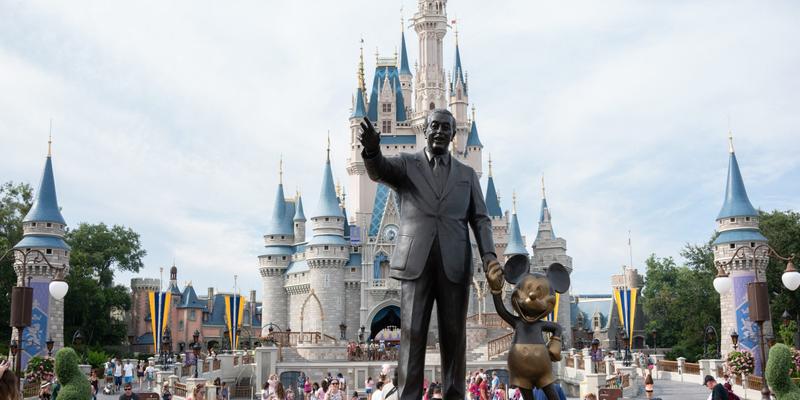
pixel 473 140
pixel 359 109
pixel 45 206
pixel 299 215
pixel 346 224
pixel 736 202
pixel 458 72
pixel 328 202
pixel 492 203
pixel 281 222
pixel 404 69
pixel 515 244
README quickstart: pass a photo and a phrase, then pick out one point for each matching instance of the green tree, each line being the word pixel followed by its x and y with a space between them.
pixel 15 201
pixel 97 252
pixel 782 229
pixel 680 301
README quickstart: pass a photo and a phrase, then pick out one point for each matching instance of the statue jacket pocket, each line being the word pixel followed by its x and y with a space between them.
pixel 400 256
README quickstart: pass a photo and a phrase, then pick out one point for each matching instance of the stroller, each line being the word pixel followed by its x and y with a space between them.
pixel 109 388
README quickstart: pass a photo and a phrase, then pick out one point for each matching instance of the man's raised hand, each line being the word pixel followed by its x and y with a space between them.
pixel 369 138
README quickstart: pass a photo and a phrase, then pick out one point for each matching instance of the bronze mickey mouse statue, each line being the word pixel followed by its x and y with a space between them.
pixel 530 358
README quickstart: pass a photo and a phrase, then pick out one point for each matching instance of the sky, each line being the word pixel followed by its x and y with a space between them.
pixel 170 117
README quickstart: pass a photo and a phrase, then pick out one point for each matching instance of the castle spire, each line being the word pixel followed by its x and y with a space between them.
pixel 490 165
pixel 543 193
pixel 280 170
pixel 45 206
pixel 361 85
pixel 50 139
pixel 515 243
pixel 736 202
pixel 492 201
pixel 328 201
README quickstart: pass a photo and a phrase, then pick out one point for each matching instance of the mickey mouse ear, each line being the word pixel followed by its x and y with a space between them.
pixel 558 276
pixel 515 267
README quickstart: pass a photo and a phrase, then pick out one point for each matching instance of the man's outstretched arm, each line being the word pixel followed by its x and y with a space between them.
pixel 481 223
pixel 379 168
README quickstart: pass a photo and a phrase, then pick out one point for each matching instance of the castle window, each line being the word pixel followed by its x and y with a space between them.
pixel 752 244
pixel 283 258
pixel 325 248
pixel 352 270
pixel 192 315
pixel 282 237
pixel 341 248
pixel 733 219
pixel 733 245
pixel 49 225
pixel 386 107
pixel 386 126
pixel 49 251
pixel 269 257
pixel 327 219
pixel 747 219
pixel 33 224
pixel 431 106
pixel 180 325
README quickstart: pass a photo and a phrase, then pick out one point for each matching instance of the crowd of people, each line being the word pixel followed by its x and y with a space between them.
pixel 372 351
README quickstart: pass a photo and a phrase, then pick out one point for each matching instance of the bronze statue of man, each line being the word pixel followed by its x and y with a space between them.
pixel 439 197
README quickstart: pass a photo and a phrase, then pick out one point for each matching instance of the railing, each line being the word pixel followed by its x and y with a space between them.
pixel 570 362
pixel 600 367
pixel 248 359
pixel 691 368
pixel 720 371
pixel 618 382
pixel 217 364
pixel 180 389
pixel 581 364
pixel 31 389
pixel 290 339
pixel 668 366
pixel 372 353
pixel 205 365
pixel 500 345
pixel 384 284
pixel 755 382
pixel 492 320
pixel 241 392
pixel 235 360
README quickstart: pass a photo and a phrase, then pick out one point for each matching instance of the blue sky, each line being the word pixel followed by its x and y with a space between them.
pixel 170 117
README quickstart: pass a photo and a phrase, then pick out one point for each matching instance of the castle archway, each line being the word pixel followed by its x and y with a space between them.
pixel 385 322
pixel 311 314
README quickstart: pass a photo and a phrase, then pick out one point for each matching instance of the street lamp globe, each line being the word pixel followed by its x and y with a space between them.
pixel 59 287
pixel 723 284
pixel 790 277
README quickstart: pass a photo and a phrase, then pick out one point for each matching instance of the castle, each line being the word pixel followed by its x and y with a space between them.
pixel 336 281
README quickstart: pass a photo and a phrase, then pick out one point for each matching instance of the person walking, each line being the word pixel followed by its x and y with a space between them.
pixel 333 392
pixel 279 393
pixel 150 376
pixel 165 393
pixel 718 391
pixel 140 373
pixel 128 393
pixel 128 369
pixel 648 386
pixel 117 376
pixel 369 386
pixel 94 382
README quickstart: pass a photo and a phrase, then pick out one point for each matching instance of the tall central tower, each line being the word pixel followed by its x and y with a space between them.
pixel 430 23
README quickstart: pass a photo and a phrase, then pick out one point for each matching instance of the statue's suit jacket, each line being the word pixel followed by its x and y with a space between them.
pixel 427 211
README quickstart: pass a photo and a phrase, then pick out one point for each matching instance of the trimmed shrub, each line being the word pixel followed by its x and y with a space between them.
pixel 74 385
pixel 779 368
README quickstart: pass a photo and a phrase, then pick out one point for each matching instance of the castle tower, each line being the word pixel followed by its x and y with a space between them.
pixel 459 101
pixel 473 150
pixel 326 254
pixel 516 243
pixel 430 23
pixel 278 241
pixel 406 78
pixel 737 224
pixel 299 220
pixel 499 221
pixel 43 230
pixel 140 307
pixel 548 249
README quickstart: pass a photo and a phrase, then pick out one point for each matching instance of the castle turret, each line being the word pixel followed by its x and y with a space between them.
pixel 299 220
pixel 473 149
pixel 516 243
pixel 737 224
pixel 326 254
pixel 43 231
pixel 499 221
pixel 459 99
pixel 406 79
pixel 278 249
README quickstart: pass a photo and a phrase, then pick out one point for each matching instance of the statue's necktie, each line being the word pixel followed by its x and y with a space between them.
pixel 438 172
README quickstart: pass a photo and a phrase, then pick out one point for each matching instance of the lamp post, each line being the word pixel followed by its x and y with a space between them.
pixel 22 296
pixel 707 334
pixel 757 294
pixel 735 339
pixel 225 340
pixel 196 350
pixel 50 344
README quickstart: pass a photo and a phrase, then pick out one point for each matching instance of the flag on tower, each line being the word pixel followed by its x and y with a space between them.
pixel 159 316
pixel 234 311
pixel 626 307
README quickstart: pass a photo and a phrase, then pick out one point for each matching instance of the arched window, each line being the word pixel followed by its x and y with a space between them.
pixel 432 106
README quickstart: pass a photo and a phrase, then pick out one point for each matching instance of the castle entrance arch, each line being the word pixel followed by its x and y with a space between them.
pixel 385 323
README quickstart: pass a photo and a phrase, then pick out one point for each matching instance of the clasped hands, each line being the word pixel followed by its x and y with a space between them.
pixel 494 274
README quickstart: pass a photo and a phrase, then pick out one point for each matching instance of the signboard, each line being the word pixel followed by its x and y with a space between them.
pixel 610 394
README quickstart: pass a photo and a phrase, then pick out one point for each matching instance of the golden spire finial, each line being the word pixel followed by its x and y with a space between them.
pixel 490 165
pixel 338 189
pixel 297 192
pixel 543 196
pixel 329 145
pixel 514 200
pixel 473 111
pixel 730 141
pixel 361 84
pixel 50 139
pixel 280 170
